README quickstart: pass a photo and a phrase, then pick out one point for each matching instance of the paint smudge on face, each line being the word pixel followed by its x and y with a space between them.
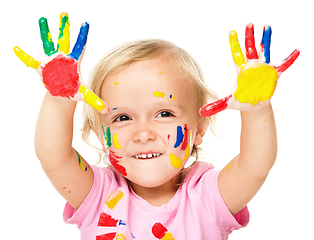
pixel 60 77
pixel 161 73
pixel 80 161
pixel 188 149
pixel 116 83
pixel 64 188
pixel 160 232
pixel 159 94
pixel 115 141
pixel 114 198
pixel 175 161
pixel 186 137
pixel 180 137
pixel 105 220
pixel 171 97
pixel 113 158
pixel 107 136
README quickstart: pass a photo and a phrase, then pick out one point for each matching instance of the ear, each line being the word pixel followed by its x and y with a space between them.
pixel 198 139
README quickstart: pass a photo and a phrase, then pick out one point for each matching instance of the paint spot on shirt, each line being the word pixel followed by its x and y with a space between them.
pixel 107 236
pixel 159 230
pixel 114 198
pixel 159 94
pixel 105 220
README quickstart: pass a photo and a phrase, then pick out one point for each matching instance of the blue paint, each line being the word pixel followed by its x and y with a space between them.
pixel 121 222
pixel 266 43
pixel 179 137
pixel 80 42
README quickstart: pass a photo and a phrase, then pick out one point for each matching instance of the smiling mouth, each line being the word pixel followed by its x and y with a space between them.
pixel 147 156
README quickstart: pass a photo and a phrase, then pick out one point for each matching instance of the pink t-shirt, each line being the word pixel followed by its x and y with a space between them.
pixel 197 211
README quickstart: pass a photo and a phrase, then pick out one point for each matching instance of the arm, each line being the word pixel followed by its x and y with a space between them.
pixel 60 72
pixel 257 79
pixel 241 179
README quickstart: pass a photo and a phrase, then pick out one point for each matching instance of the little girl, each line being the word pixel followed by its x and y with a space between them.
pixel 147 120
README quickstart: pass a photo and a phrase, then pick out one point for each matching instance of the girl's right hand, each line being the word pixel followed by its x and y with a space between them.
pixel 59 70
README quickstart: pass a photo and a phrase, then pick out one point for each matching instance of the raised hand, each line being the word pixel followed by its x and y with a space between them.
pixel 60 70
pixel 257 77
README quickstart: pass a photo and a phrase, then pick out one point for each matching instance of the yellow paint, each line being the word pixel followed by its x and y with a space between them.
pixel 120 236
pixel 256 84
pixel 229 166
pixel 25 58
pixel 159 94
pixel 116 83
pixel 172 97
pixel 115 141
pixel 114 198
pixel 237 54
pixel 160 72
pixel 175 161
pixel 188 148
pixel 64 41
pixel 168 236
pixel 92 99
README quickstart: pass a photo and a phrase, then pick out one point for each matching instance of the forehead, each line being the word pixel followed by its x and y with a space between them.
pixel 147 78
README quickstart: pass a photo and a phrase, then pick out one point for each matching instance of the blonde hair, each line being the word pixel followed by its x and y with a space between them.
pixel 123 56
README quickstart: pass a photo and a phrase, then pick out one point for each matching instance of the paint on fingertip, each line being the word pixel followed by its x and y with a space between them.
pixel 116 141
pixel 266 43
pixel 180 137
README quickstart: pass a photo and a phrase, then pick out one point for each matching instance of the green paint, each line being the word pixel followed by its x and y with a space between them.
pixel 65 20
pixel 79 160
pixel 107 136
pixel 48 44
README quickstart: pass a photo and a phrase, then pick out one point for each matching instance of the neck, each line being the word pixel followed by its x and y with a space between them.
pixel 157 196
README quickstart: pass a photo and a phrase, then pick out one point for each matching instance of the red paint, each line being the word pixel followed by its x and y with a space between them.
pixel 105 220
pixel 159 230
pixel 251 52
pixel 186 138
pixel 215 107
pixel 107 236
pixel 60 77
pixel 288 61
pixel 168 136
pixel 113 158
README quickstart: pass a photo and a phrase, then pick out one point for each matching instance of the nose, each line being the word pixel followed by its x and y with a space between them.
pixel 144 134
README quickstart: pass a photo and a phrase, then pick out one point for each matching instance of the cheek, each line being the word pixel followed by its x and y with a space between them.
pixel 181 150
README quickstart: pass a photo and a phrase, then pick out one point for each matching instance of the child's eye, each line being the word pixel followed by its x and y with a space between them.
pixel 165 114
pixel 122 118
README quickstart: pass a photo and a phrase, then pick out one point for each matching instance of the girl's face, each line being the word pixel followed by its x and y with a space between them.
pixel 152 124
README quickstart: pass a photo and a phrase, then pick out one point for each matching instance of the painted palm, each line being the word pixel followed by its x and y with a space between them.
pixel 257 77
pixel 60 70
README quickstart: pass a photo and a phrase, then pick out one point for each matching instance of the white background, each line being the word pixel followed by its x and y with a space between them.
pixel 32 209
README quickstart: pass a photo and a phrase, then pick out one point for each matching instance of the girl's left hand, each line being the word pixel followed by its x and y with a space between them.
pixel 257 77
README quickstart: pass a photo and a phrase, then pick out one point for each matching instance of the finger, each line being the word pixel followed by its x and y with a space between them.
pixel 25 58
pixel 215 107
pixel 48 44
pixel 93 100
pixel 64 34
pixel 251 52
pixel 80 42
pixel 288 61
pixel 237 54
pixel 265 45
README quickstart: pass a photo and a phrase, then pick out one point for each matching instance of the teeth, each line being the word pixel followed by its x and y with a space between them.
pixel 150 155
